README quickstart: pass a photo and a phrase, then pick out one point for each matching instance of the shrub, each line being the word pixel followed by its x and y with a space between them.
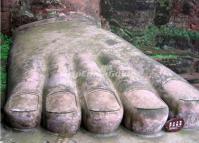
pixel 5 44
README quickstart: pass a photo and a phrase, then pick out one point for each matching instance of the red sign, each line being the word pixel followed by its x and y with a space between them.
pixel 174 124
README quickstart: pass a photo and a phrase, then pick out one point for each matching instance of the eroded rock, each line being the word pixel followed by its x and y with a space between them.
pixel 102 108
pixel 62 107
pixel 180 96
pixel 145 112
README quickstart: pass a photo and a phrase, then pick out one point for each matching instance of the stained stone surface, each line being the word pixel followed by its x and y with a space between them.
pixel 60 60
pixel 101 106
pixel 62 106
pixel 145 112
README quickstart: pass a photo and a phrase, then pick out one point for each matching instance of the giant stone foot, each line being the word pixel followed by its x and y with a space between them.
pixel 56 69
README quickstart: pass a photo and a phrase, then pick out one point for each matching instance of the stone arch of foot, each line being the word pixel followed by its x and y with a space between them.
pixel 66 71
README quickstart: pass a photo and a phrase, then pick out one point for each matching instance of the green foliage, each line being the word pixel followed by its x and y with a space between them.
pixel 179 33
pixel 140 39
pixel 161 56
pixel 6 42
pixel 147 37
pixel 164 3
pixel 5 46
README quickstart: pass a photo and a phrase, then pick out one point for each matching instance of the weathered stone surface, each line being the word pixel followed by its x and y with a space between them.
pixel 23 108
pixel 27 11
pixel 144 111
pixel 185 14
pixel 5 22
pixel 102 108
pixel 37 63
pixel 188 106
pixel 15 13
pixel 24 102
pixel 134 14
pixel 179 95
pixel 163 12
pixel 62 107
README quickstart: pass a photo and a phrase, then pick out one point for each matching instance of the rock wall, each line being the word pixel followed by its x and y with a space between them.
pixel 6 15
pixel 129 13
pixel 185 14
pixel 163 12
pixel 18 12
pixel 134 14
pixel 140 13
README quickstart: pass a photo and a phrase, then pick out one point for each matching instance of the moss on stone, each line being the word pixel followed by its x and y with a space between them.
pixel 147 37
pixel 159 56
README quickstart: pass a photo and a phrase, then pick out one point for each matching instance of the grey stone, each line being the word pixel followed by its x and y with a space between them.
pixel 46 60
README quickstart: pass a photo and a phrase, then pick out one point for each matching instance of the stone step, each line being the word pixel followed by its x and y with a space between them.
pixel 193 78
pixel 196 85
